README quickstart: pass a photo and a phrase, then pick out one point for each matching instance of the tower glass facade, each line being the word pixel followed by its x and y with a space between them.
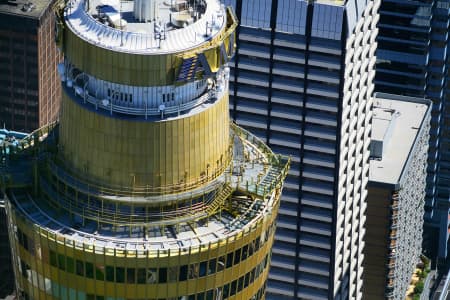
pixel 143 190
pixel 413 60
pixel 302 80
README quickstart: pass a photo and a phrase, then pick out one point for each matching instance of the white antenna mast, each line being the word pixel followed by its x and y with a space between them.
pixel 120 22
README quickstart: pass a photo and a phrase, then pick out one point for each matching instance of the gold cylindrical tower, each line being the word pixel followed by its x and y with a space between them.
pixel 154 104
pixel 170 152
pixel 144 190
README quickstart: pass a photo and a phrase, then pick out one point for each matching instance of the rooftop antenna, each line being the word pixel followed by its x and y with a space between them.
pixel 194 9
pixel 120 22
pixel 159 32
pixel 209 28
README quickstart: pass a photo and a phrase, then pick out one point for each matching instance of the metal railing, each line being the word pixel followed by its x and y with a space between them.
pixel 278 166
pixel 94 243
pixel 253 139
pixel 71 177
pixel 36 136
pixel 279 170
pixel 132 215
pixel 169 110
pixel 276 171
pixel 138 42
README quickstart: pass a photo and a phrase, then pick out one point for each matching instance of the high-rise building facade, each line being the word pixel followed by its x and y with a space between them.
pixel 413 60
pixel 7 138
pixel 302 80
pixel 7 282
pixel 29 86
pixel 396 198
pixel 143 190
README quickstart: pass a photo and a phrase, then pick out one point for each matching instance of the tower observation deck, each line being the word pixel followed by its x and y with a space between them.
pixel 143 189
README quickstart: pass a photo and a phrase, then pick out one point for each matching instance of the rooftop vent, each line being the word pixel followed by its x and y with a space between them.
pixel 27 7
pixel 384 121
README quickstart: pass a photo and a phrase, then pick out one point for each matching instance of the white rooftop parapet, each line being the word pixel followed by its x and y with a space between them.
pixel 141 37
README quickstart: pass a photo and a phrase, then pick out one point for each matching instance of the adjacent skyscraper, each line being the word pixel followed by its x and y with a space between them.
pixel 302 80
pixel 395 203
pixel 143 191
pixel 7 138
pixel 7 282
pixel 30 92
pixel 413 59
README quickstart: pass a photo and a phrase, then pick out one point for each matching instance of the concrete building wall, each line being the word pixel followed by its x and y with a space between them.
pixel 396 198
pixel 29 84
pixel 48 79
pixel 376 248
pixel 302 81
pixel 408 236
pixel 413 60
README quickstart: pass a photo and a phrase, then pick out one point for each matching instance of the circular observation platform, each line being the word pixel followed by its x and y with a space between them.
pixel 151 27
pixel 84 241
pixel 153 103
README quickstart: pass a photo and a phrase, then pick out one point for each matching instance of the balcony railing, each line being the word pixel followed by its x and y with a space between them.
pixel 394 224
pixel 27 210
pixel 32 139
pixel 393 244
pixel 393 234
pixel 148 112
pixel 391 263
pixel 275 169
